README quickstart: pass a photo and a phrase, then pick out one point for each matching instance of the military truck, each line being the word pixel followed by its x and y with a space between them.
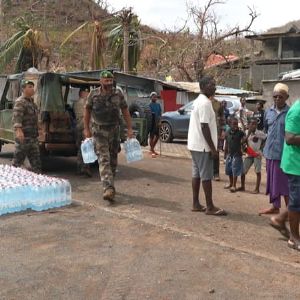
pixel 54 97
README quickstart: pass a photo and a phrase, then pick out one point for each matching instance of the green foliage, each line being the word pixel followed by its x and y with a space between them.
pixel 74 32
pixel 115 36
pixel 11 49
pixel 24 45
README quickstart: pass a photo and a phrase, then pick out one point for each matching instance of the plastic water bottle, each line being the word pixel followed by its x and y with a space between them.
pixel 67 192
pixel 88 151
pixel 133 150
pixel 21 189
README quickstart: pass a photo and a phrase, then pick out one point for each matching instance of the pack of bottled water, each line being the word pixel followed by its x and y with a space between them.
pixel 88 151
pixel 21 189
pixel 133 150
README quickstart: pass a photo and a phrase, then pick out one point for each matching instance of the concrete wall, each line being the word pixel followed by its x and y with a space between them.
pixel 239 78
pixel 294 90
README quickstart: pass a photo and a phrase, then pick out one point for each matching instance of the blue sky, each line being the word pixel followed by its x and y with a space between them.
pixel 170 14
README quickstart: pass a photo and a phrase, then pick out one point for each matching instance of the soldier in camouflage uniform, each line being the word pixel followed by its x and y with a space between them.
pixel 104 105
pixel 79 105
pixel 25 124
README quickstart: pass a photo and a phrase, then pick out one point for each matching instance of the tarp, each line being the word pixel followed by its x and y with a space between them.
pixel 50 92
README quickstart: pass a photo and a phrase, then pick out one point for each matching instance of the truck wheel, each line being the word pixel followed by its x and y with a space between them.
pixel 165 133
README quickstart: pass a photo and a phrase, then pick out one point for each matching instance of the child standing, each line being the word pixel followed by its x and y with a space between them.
pixel 233 152
pixel 254 139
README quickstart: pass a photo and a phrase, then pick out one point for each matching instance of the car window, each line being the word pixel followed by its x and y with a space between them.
pixel 229 104
pixel 189 107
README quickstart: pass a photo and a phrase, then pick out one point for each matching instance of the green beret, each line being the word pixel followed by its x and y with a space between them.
pixel 106 74
pixel 24 82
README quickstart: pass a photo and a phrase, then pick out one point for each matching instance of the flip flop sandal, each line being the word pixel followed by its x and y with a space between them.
pixel 201 209
pixel 255 192
pixel 293 245
pixel 282 229
pixel 226 187
pixel 220 212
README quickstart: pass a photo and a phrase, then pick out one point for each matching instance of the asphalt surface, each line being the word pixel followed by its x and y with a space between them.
pixel 148 245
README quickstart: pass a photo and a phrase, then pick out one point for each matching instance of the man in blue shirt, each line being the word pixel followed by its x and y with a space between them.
pixel 274 122
pixel 156 114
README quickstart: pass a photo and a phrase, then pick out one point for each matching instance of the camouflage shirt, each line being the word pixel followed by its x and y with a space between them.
pixel 78 110
pixel 25 116
pixel 105 109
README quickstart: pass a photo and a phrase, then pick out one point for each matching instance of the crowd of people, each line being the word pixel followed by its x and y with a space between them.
pixel 246 138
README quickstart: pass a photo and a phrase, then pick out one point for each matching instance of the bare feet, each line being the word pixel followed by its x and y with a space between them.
pixel 269 211
pixel 240 189
pixel 233 189
pixel 227 186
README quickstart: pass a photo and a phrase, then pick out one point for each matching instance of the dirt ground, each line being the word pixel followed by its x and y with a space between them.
pixel 148 245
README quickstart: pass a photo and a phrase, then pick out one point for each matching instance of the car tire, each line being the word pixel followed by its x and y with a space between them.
pixel 144 111
pixel 165 133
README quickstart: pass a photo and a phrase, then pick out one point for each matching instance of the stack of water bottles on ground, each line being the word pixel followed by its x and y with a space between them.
pixel 21 190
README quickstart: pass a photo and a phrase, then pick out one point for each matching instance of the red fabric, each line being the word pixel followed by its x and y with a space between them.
pixel 251 152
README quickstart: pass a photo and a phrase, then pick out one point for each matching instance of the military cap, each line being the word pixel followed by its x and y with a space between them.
pixel 106 74
pixel 24 82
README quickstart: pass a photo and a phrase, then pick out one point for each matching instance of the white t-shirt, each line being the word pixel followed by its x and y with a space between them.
pixel 256 139
pixel 202 112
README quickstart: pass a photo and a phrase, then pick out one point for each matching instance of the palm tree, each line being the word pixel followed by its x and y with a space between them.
pixel 97 44
pixel 25 45
pixel 125 39
pixel 123 36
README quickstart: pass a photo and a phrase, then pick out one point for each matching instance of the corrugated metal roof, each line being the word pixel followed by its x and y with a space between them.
pixel 193 87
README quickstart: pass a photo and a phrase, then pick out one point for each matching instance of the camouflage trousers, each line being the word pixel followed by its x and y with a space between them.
pixel 107 142
pixel 30 149
pixel 81 166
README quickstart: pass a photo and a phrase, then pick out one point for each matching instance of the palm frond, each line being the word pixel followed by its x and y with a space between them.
pixel 117 30
pixel 11 40
pixel 12 51
pixel 73 33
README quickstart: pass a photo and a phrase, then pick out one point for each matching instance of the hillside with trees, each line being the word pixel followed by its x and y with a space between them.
pixel 81 35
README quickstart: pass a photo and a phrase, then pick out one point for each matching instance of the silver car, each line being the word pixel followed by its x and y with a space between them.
pixel 175 124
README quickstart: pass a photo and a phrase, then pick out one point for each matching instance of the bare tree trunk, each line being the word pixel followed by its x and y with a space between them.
pixel 125 48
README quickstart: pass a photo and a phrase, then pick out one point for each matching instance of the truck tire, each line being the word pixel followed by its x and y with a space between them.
pixel 142 110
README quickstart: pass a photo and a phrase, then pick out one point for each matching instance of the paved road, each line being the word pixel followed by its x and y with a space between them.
pixel 149 245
